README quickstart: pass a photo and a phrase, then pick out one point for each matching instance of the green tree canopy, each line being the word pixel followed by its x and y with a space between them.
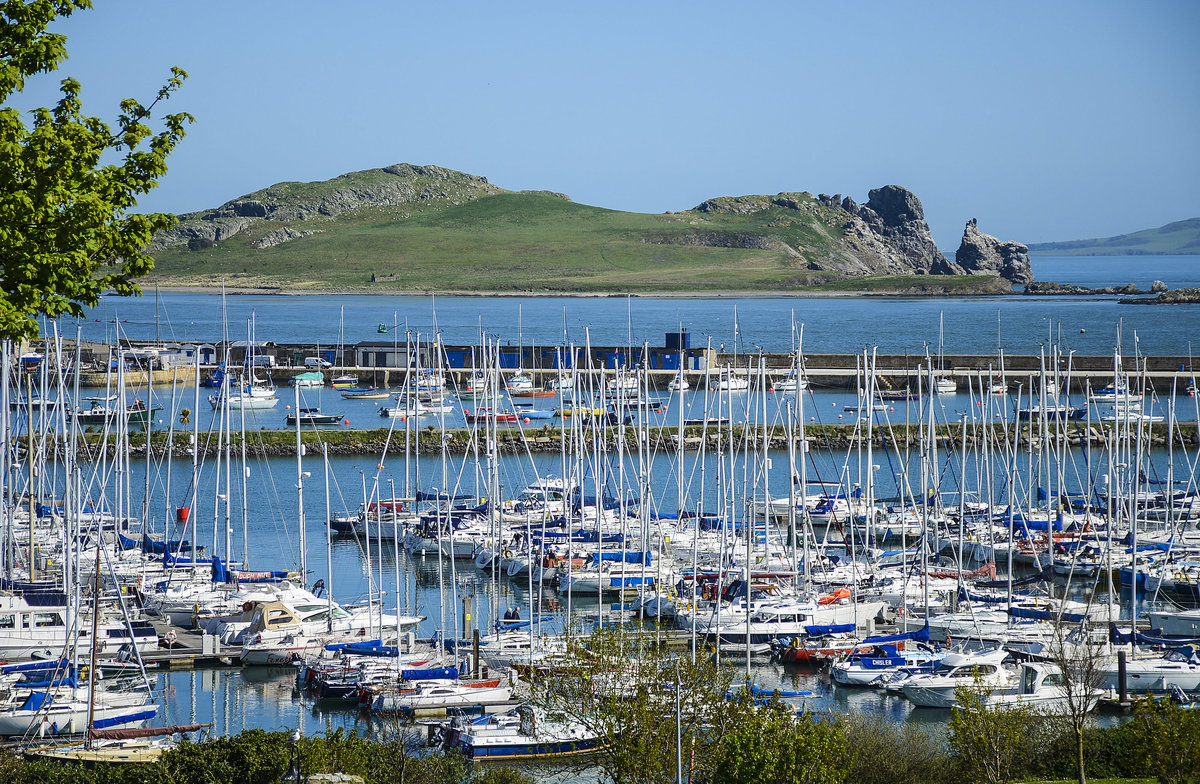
pixel 68 181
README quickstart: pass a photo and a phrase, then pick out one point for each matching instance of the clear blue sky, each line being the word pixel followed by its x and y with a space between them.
pixel 1046 120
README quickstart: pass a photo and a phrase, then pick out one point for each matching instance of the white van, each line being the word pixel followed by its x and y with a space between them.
pixel 317 362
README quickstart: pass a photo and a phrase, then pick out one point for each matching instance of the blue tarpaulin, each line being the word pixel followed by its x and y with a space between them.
pixel 434 674
pixel 629 556
pixel 1042 615
pixel 920 635
pixel 223 574
pixel 836 628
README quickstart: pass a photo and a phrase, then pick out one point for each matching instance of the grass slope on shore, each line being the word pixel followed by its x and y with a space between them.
pixel 539 242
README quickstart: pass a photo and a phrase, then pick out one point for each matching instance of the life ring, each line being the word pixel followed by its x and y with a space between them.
pixel 170 638
pixel 901 612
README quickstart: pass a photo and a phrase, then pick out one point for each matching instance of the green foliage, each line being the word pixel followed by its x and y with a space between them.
pixel 621 686
pixel 887 751
pixel 993 745
pixel 261 757
pixel 1168 741
pixel 1109 752
pixel 66 233
pixel 771 745
pixel 253 757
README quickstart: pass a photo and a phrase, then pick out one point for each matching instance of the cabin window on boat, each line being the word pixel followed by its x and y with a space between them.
pixel 47 619
pixel 8 621
pixel 978 670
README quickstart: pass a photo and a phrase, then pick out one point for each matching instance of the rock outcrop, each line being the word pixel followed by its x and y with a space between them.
pixel 887 235
pixel 280 236
pixel 889 232
pixel 1050 288
pixel 983 254
pixel 397 188
pixel 1172 297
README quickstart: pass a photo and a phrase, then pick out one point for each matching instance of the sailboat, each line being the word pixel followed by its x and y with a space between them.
pixel 943 384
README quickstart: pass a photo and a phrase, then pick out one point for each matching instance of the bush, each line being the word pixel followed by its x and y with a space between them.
pixel 771 746
pixel 1109 753
pixel 887 751
pixel 261 757
pixel 993 745
pixel 1168 741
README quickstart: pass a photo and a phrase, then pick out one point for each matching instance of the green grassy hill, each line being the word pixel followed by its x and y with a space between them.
pixel 429 229
pixel 1178 238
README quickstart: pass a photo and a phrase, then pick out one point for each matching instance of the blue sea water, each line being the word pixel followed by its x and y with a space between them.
pixel 897 325
pixel 1177 272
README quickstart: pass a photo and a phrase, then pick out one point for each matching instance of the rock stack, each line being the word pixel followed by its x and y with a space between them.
pixel 983 254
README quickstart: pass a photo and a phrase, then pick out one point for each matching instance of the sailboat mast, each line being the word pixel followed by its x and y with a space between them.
pixel 299 491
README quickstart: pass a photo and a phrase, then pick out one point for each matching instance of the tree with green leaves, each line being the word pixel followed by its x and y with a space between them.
pixel 992 744
pixel 772 745
pixel 1168 740
pixel 1078 657
pixel 68 181
pixel 658 715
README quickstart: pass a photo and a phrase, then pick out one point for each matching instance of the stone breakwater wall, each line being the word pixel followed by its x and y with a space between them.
pixel 547 440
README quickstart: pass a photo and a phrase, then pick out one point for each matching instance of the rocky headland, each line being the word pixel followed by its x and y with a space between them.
pixel 431 228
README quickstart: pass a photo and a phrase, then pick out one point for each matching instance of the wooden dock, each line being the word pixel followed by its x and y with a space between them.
pixel 192 648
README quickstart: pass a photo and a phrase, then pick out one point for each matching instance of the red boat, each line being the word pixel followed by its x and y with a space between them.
pixel 531 393
pixel 487 415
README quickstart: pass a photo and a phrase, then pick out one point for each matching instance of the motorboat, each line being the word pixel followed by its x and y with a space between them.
pixel 101 411
pixel 524 733
pixel 366 393
pixel 312 416
pixel 864 668
pixel 975 670
pixel 1042 687
pixel 442 694
pixel 313 378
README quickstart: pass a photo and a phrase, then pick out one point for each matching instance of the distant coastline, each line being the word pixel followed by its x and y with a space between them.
pixel 1179 238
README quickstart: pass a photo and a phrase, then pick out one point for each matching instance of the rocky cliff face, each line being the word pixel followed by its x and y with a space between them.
pixel 889 233
pixel 983 254
pixel 886 236
pixel 260 214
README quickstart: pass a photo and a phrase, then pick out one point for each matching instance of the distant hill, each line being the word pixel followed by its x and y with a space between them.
pixel 427 228
pixel 1178 238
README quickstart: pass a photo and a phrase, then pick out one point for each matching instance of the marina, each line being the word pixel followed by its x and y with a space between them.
pixel 825 503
